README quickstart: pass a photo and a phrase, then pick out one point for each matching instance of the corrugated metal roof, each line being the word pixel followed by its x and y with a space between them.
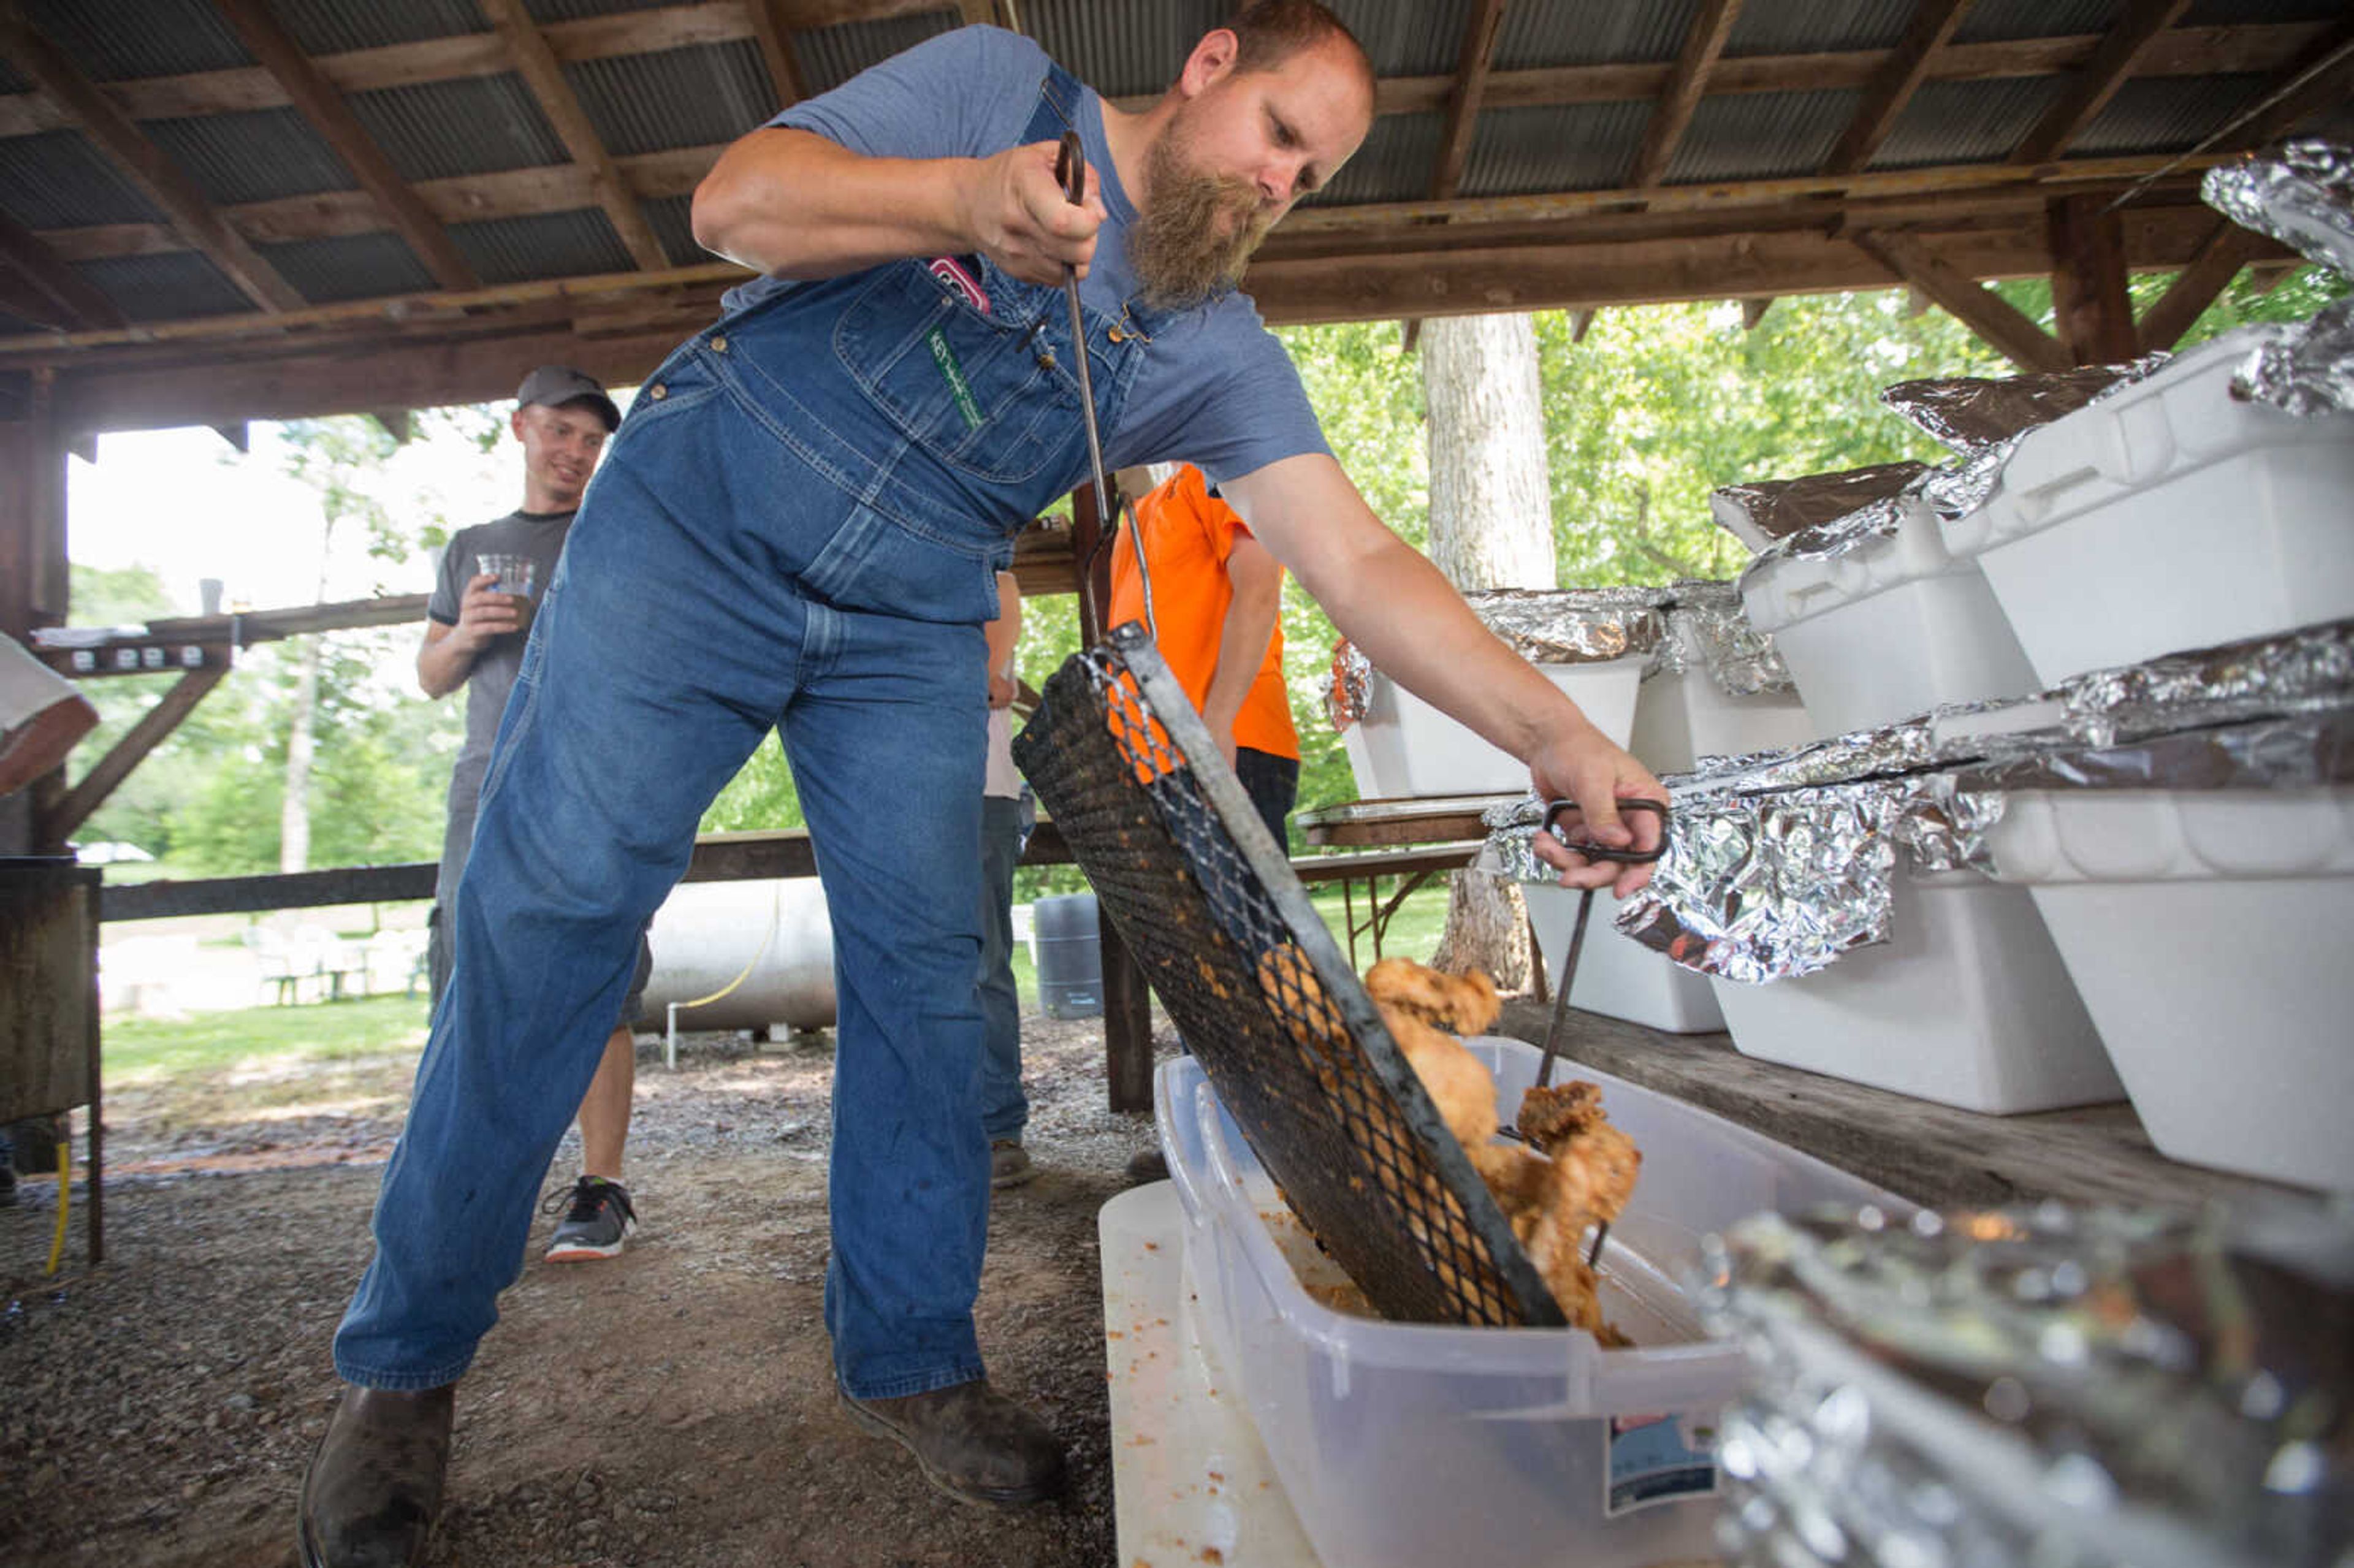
pixel 1762 135
pixel 546 11
pixel 155 38
pixel 551 245
pixel 829 57
pixel 1423 39
pixel 673 220
pixel 1557 147
pixel 1966 122
pixel 1987 20
pixel 1397 163
pixel 680 97
pixel 1592 32
pixel 165 288
pixel 1120 49
pixel 337 26
pixel 1819 27
pixel 2165 115
pixel 258 155
pixel 438 130
pixel 11 82
pixel 2226 13
pixel 349 266
pixel 56 179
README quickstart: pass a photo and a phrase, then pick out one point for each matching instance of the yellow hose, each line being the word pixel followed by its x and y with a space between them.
pixel 775 919
pixel 65 1200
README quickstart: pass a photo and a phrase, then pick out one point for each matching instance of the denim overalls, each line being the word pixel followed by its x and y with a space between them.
pixel 798 524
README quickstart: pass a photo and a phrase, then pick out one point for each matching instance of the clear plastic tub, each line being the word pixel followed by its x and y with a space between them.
pixel 2168 516
pixel 1968 1003
pixel 1617 977
pixel 1403 1445
pixel 2207 933
pixel 1404 746
pixel 1888 630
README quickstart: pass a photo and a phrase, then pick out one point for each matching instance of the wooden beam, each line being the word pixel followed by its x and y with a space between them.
pixel 316 100
pixel 155 726
pixel 2219 261
pixel 1981 309
pixel 1580 324
pixel 2321 75
pixel 400 424
pixel 1754 311
pixel 544 75
pixel 1470 86
pixel 1892 86
pixel 1685 86
pixel 237 433
pixel 775 53
pixel 143 164
pixel 2120 50
pixel 65 297
pixel 2092 306
pixel 2179 51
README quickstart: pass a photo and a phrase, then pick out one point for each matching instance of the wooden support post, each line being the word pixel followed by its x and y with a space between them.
pixel 2196 286
pixel 58 823
pixel 1127 1000
pixel 2092 307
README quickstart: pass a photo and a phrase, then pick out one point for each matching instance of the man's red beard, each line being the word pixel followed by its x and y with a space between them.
pixel 1198 229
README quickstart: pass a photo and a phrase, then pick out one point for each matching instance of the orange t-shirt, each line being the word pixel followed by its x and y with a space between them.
pixel 1188 534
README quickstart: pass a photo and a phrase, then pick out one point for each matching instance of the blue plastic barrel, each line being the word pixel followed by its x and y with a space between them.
pixel 1066 947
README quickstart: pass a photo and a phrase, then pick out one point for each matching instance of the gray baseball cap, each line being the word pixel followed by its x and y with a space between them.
pixel 556 384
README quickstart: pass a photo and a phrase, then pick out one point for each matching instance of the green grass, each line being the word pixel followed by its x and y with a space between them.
pixel 138 1050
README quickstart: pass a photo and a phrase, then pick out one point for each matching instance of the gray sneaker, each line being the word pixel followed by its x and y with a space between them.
pixel 595 1224
pixel 1009 1163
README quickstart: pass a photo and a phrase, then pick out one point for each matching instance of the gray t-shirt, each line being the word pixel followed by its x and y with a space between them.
pixel 1217 390
pixel 540 535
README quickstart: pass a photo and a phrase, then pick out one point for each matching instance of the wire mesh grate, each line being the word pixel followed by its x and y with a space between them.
pixel 1226 934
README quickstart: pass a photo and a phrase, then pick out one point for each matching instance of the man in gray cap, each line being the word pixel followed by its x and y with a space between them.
pixel 474 636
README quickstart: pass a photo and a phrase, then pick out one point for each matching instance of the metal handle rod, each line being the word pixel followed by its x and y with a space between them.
pixel 1071 169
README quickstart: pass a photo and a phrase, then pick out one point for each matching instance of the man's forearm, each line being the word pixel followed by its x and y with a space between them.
pixel 1243 641
pixel 443 666
pixel 794 205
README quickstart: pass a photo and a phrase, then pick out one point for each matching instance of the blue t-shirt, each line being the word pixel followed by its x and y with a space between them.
pixel 1216 389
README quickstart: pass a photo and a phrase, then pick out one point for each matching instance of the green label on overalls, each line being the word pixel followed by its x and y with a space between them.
pixel 954 374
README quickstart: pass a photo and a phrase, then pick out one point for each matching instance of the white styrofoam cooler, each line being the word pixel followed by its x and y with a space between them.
pixel 1405 1445
pixel 1683 715
pixel 1404 746
pixel 1968 1004
pixel 1617 977
pixel 2168 516
pixel 2211 936
pixel 1888 630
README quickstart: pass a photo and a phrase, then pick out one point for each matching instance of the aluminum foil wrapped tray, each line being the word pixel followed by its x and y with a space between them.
pixel 2061 1387
pixel 1779 863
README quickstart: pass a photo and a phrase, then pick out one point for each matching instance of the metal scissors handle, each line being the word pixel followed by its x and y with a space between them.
pixel 1071 171
pixel 1630 855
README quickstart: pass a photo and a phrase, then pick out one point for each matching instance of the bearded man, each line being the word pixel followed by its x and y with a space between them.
pixel 800 525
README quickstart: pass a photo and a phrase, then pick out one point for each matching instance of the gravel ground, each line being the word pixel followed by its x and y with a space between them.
pixel 672 1407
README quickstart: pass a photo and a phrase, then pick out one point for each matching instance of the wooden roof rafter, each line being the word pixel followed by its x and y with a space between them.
pixel 2120 51
pixel 1479 31
pixel 1893 87
pixel 775 53
pixel 544 76
pixel 49 291
pixel 316 100
pixel 143 164
pixel 1687 84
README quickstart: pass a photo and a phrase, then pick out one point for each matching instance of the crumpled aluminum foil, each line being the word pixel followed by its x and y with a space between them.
pixel 2069 1388
pixel 2301 193
pixel 1348 689
pixel 1778 864
pixel 2305 370
pixel 1970 413
pixel 1778 508
pixel 1710 617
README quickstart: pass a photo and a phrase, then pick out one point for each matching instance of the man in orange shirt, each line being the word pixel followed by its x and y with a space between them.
pixel 1216 595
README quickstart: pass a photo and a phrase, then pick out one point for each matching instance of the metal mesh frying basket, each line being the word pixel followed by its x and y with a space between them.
pixel 1208 903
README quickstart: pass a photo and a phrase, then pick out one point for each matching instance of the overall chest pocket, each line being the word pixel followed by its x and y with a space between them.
pixel 972 391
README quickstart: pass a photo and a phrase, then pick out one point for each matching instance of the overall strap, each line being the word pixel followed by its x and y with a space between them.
pixel 1058 107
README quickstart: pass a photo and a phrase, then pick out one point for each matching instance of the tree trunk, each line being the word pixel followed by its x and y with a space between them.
pixel 295 811
pixel 1491 526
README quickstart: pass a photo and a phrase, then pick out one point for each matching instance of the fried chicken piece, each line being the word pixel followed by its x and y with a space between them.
pixel 1465 1003
pixel 1554 1112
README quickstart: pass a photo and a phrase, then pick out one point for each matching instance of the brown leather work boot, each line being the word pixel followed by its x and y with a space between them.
pixel 973 1442
pixel 372 1488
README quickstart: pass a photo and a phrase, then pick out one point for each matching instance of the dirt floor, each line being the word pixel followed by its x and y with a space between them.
pixel 672 1407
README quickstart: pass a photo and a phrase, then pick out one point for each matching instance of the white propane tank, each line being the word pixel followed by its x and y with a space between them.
pixel 707 934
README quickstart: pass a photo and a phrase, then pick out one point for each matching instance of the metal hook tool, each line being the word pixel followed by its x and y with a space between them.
pixel 1554 811
pixel 1071 171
